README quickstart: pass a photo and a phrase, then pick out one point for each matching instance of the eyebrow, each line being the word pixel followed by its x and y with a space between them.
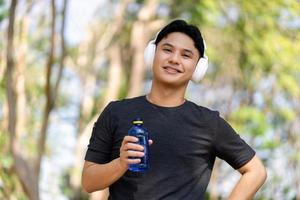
pixel 170 45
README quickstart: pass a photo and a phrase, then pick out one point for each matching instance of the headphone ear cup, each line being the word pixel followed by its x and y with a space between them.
pixel 200 70
pixel 149 53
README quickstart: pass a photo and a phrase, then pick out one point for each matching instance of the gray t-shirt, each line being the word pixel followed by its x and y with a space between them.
pixel 187 139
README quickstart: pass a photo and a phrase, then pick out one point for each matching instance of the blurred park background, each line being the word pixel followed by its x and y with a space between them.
pixel 62 61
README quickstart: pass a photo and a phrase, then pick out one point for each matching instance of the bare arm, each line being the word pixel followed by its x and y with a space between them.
pixel 99 176
pixel 253 176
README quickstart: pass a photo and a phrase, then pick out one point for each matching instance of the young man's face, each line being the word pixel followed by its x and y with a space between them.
pixel 175 59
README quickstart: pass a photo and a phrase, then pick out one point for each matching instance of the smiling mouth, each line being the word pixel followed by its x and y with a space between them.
pixel 171 70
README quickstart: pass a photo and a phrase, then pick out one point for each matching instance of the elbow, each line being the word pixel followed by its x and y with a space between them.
pixel 90 187
pixel 260 172
pixel 256 169
pixel 90 180
pixel 85 185
pixel 87 189
pixel 263 174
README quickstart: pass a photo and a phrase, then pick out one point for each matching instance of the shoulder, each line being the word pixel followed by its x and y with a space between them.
pixel 117 109
pixel 208 114
pixel 125 104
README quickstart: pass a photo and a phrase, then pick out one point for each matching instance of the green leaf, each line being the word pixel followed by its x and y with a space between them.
pixel 289 84
pixel 249 120
pixel 6 161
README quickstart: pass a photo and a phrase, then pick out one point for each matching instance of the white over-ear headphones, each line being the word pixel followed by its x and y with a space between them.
pixel 199 72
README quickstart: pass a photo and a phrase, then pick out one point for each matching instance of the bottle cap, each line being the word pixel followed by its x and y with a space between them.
pixel 138 121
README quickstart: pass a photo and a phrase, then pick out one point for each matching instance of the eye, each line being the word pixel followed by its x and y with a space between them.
pixel 167 50
pixel 186 56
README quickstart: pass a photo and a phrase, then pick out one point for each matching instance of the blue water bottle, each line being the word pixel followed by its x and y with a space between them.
pixel 139 131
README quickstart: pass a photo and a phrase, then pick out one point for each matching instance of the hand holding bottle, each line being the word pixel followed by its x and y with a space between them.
pixel 130 152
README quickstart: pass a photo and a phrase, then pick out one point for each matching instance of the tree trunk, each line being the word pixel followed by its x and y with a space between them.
pixel 15 86
pixel 10 80
pixel 140 30
pixel 115 74
pixel 87 102
pixel 26 174
pixel 63 50
pixel 20 80
pixel 51 90
pixel 20 166
pixel 2 63
pixel 88 76
pixel 48 90
pixel 137 70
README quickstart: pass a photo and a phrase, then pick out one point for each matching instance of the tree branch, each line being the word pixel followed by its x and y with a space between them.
pixel 63 51
pixel 49 95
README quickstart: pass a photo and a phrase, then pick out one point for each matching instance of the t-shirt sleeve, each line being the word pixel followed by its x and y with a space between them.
pixel 100 144
pixel 229 146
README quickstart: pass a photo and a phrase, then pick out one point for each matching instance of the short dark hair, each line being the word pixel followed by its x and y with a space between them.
pixel 181 26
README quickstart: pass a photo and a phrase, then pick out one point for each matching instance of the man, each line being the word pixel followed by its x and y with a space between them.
pixel 185 137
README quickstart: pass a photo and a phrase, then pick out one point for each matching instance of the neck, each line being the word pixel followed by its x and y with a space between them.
pixel 166 96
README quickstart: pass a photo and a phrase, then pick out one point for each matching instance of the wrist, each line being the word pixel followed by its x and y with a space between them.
pixel 121 166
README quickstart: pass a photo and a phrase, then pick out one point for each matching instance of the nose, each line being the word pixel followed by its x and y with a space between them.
pixel 174 58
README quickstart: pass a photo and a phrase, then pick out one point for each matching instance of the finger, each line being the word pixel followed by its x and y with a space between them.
pixel 133 161
pixel 129 138
pixel 133 146
pixel 135 154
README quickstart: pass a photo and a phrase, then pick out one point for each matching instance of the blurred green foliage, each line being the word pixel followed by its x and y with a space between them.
pixel 249 120
pixel 253 47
